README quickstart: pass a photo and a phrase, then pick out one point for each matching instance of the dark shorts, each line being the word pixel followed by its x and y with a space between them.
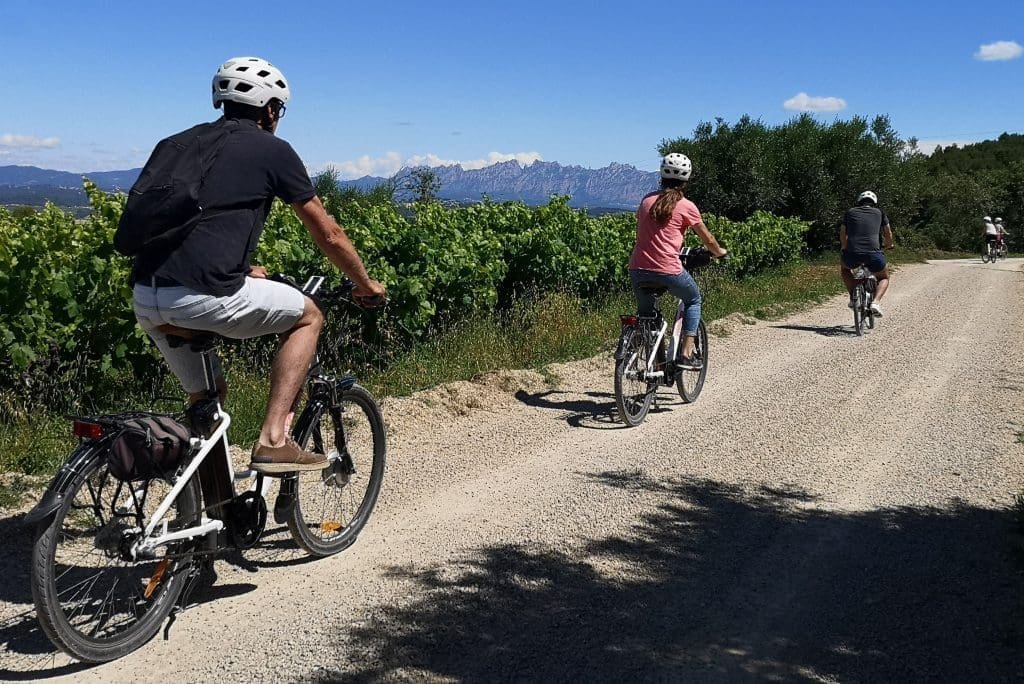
pixel 875 261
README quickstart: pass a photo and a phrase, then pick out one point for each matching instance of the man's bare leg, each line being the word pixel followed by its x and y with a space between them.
pixel 848 279
pixel 298 346
pixel 883 283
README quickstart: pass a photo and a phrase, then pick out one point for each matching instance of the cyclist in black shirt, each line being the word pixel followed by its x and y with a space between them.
pixel 860 237
pixel 208 282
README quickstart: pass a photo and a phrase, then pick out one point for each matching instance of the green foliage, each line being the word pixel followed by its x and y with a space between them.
pixel 804 169
pixel 763 241
pixel 988 155
pixel 813 170
pixel 65 318
pixel 67 327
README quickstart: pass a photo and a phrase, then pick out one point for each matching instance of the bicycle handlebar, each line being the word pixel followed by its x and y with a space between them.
pixel 342 293
pixel 695 258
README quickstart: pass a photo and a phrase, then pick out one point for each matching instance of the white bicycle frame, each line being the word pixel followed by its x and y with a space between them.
pixel 677 329
pixel 150 541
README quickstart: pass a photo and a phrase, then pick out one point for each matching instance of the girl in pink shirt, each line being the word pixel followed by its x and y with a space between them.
pixel 661 222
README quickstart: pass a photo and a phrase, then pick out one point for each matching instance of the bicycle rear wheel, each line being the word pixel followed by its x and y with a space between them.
pixel 92 599
pixel 689 383
pixel 858 309
pixel 633 393
pixel 333 505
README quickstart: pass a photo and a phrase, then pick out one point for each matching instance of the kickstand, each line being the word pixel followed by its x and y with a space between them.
pixel 196 571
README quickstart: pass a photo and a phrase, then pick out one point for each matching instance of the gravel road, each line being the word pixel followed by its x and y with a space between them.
pixel 833 508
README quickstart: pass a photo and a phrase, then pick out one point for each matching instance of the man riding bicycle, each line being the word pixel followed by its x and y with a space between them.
pixel 859 238
pixel 207 282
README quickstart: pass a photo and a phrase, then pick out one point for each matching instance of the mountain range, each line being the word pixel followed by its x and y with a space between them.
pixel 616 186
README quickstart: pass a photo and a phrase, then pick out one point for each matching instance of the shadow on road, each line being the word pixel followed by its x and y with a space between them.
pixel 827 331
pixel 718 583
pixel 590 413
pixel 597 412
pixel 29 655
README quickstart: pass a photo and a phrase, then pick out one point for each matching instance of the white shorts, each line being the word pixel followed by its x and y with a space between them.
pixel 260 307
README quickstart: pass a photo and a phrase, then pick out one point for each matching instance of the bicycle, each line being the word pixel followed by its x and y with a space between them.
pixel 990 253
pixel 113 558
pixel 645 357
pixel 863 296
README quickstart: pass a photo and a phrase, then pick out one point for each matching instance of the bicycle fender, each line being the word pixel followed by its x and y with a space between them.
pixel 53 497
pixel 620 348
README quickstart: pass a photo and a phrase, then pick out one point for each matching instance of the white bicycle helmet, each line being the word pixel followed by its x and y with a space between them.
pixel 867 194
pixel 249 80
pixel 677 166
pixel 987 219
pixel 999 220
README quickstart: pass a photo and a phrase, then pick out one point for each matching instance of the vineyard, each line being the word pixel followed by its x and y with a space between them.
pixel 67 328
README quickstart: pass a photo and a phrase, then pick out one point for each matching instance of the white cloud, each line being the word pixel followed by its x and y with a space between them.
pixel 12 140
pixel 802 102
pixel 391 162
pixel 365 166
pixel 928 146
pixel 999 50
pixel 524 158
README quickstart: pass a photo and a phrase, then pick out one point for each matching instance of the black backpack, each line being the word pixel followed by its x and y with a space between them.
pixel 163 205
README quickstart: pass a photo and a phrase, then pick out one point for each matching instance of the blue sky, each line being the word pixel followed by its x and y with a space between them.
pixel 94 85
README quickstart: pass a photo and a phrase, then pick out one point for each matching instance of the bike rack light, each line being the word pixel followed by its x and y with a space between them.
pixel 82 428
pixel 628 319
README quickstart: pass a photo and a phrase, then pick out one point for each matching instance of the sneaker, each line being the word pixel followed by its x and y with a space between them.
pixel 287 458
pixel 852 304
pixel 876 310
pixel 692 364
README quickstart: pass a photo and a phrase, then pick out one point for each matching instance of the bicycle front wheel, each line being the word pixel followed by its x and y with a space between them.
pixel 689 383
pixel 333 505
pixel 93 600
pixel 633 394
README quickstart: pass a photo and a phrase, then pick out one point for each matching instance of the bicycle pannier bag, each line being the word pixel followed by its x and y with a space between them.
pixel 163 205
pixel 151 445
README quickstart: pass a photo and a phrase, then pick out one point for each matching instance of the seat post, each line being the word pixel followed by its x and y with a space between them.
pixel 211 379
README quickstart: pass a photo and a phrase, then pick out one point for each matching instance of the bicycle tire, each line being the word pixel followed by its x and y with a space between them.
pixel 984 257
pixel 633 395
pixel 319 521
pixel 690 383
pixel 97 635
pixel 858 309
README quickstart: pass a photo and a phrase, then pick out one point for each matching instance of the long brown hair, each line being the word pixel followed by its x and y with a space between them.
pixel 671 192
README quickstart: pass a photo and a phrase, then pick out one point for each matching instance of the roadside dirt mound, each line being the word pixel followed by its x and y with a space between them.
pixel 426 409
pixel 724 327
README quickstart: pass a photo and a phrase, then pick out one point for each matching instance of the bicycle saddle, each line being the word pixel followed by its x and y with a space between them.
pixel 197 340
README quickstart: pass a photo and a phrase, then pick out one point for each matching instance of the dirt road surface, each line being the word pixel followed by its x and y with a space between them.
pixel 832 508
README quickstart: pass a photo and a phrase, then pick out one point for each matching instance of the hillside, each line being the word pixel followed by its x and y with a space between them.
pixel 614 186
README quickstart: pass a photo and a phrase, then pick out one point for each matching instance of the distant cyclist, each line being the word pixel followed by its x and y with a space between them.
pixel 864 225
pixel 991 234
pixel 1001 233
pixel 661 221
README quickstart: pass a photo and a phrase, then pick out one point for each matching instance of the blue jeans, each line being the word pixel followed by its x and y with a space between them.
pixel 682 286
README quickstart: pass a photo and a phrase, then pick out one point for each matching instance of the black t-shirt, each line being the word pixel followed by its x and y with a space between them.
pixel 864 228
pixel 251 170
